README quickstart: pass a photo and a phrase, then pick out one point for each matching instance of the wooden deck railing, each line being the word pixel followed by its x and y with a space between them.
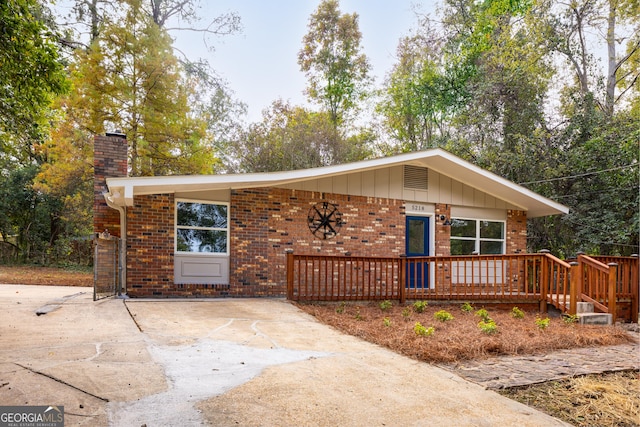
pixel 537 277
pixel 556 283
pixel 607 280
pixel 525 277
pixel 340 278
pixel 627 277
pixel 486 277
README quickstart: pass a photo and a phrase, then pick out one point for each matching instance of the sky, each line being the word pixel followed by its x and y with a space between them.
pixel 260 63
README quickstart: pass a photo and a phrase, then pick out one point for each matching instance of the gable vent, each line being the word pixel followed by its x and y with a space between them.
pixel 416 178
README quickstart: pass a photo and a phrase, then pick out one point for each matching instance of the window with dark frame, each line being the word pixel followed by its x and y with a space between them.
pixel 202 227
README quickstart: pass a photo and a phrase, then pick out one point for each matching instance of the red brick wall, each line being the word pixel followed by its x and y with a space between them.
pixel 267 222
pixel 264 224
pixel 109 160
pixel 150 241
pixel 443 232
pixel 516 232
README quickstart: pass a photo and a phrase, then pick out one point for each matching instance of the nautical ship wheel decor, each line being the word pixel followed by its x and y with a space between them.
pixel 324 220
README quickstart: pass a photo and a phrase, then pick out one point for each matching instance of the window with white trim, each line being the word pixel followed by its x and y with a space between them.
pixel 202 227
pixel 470 236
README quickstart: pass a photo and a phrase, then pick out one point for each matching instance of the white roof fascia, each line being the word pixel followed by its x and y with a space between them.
pixel 496 186
pixel 441 161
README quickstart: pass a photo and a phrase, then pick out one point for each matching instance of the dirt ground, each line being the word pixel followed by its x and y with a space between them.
pixel 36 275
pixel 605 400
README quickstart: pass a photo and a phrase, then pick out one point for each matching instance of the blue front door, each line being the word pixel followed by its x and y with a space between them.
pixel 417 245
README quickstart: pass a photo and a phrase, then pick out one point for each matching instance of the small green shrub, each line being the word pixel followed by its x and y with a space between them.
pixel 340 307
pixel 488 327
pixel 386 322
pixel 442 315
pixel 422 331
pixel 466 307
pixel 542 323
pixel 484 315
pixel 406 313
pixel 570 319
pixel 516 313
pixel 420 306
pixel 358 316
pixel 385 305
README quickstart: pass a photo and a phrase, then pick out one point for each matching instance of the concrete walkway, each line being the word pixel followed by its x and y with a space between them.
pixel 222 362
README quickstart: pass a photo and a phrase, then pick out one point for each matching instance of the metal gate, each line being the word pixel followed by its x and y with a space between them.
pixel 107 267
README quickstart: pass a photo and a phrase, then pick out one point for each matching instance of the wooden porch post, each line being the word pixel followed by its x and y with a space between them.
pixel 289 274
pixel 635 290
pixel 613 276
pixel 575 290
pixel 401 278
pixel 544 280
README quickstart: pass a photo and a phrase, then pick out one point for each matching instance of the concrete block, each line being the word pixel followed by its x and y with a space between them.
pixel 595 318
pixel 584 307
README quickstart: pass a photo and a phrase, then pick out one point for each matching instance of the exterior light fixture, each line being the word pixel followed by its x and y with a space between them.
pixel 446 221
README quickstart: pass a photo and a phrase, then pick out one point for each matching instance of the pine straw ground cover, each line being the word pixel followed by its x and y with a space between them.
pixel 611 399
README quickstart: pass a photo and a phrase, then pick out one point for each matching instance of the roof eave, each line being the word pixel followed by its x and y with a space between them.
pixel 443 162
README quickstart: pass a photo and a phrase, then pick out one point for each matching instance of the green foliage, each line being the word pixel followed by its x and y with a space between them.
pixel 291 137
pixel 340 308
pixel 131 80
pixel 516 313
pixel 488 326
pixel 423 331
pixel 385 305
pixel 570 319
pixel 483 314
pixel 442 315
pixel 386 322
pixel 406 313
pixel 31 75
pixel 466 307
pixel 30 220
pixel 331 58
pixel 542 323
pixel 477 81
pixel 358 315
pixel 420 306
pixel 416 99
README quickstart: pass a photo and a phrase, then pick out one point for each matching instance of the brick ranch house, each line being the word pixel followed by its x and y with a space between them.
pixel 228 235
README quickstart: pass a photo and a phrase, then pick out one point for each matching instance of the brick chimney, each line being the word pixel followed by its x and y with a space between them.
pixel 109 161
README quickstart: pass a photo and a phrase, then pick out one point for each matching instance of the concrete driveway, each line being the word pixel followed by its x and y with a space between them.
pixel 226 362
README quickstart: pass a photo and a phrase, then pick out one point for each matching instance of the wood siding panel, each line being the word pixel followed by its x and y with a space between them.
pixel 325 185
pixel 434 188
pixel 310 185
pixel 395 182
pixel 381 183
pixel 479 198
pixel 341 184
pixel 355 184
pixel 468 194
pixel 457 193
pixel 368 184
pixel 389 183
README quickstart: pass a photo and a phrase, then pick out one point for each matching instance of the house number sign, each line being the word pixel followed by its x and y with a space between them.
pixel 417 208
pixel 324 220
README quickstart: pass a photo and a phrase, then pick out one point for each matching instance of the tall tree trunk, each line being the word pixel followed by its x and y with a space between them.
pixel 612 63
